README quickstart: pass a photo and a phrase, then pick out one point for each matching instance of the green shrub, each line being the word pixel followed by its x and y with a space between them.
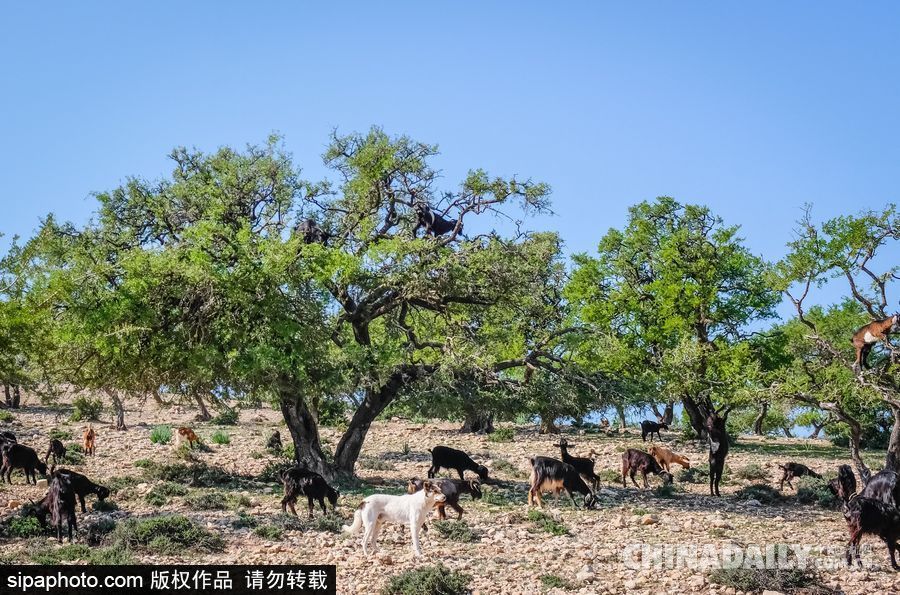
pixel 666 490
pixel 120 482
pixel 86 409
pixel 332 413
pixel 228 417
pixel 271 470
pixel 376 464
pixel 499 465
pixel 270 532
pixel 764 493
pixel 207 501
pixel 610 476
pixel 756 580
pixel 6 416
pixel 431 580
pixel 552 581
pixel 502 435
pixel 812 490
pixel 498 497
pixel 57 434
pixel 165 535
pixel 17 526
pixel 73 456
pixel 197 474
pixel 698 474
pixel 74 552
pixel 144 463
pixel 98 530
pixel 220 437
pixel 546 523
pixel 752 472
pixel 104 506
pixel 244 520
pixel 161 434
pixel 455 531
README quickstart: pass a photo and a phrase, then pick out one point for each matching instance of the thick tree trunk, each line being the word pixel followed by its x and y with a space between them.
pixel 696 416
pixel 787 431
pixel 817 429
pixel 304 433
pixel 548 425
pixel 669 412
pixel 855 440
pixel 8 395
pixel 204 414
pixel 760 418
pixel 620 413
pixel 119 409
pixel 478 423
pixel 17 397
pixel 892 460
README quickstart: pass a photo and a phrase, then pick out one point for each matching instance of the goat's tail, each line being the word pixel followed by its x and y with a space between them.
pixel 357 522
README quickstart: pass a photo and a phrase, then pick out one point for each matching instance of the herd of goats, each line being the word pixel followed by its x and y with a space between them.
pixel 873 510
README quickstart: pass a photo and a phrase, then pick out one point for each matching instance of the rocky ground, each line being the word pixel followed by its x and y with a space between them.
pixel 508 552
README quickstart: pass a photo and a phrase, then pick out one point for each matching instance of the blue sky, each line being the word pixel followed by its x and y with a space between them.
pixel 752 110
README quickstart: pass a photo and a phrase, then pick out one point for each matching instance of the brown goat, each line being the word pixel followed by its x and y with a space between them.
pixel 637 461
pixel 88 440
pixel 666 457
pixel 864 339
pixel 189 435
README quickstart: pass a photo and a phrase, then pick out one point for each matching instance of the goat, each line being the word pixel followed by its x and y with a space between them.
pixel 718 448
pixel 19 456
pixel 883 486
pixel 584 465
pixel 549 474
pixel 793 470
pixel 433 223
pixel 62 505
pixel 7 436
pixel 451 458
pixel 452 489
pixel 865 337
pixel 844 485
pixel 57 449
pixel 88 440
pixel 298 481
pixel 274 443
pixel 186 434
pixel 872 517
pixel 82 486
pixel 666 457
pixel 634 461
pixel 652 427
pixel 312 233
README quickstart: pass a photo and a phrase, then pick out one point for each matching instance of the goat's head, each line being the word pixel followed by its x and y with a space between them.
pixel 666 477
pixel 333 495
pixel 589 500
pixel 475 489
pixel 563 443
pixel 102 493
pixel 482 472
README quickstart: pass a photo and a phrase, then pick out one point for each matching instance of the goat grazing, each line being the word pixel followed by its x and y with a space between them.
pixel 452 489
pixel 637 461
pixel 865 337
pixel 379 509
pixel 186 434
pixel 88 440
pixel 666 457
pixel 844 485
pixel 718 448
pixel 451 458
pixel 298 481
pixel 549 474
pixel 883 486
pixel 584 465
pixel 19 456
pixel 793 470
pixel 57 449
pixel 873 517
pixel 652 427
pixel 82 486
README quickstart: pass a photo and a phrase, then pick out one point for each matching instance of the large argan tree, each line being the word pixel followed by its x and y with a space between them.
pixel 236 275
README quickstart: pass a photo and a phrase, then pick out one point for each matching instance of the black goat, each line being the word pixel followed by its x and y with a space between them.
pixel 452 490
pixel 18 456
pixel 718 448
pixel 651 427
pixel 82 486
pixel 792 470
pixel 58 503
pixel 298 481
pixel 883 486
pixel 584 465
pixel 637 461
pixel 451 458
pixel 57 449
pixel 844 485
pixel 274 443
pixel 872 517
pixel 433 223
pixel 554 475
pixel 7 436
pixel 312 233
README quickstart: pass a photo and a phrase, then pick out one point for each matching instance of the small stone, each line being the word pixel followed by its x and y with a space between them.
pixel 753 502
pixel 385 559
pixel 14 504
pixel 649 519
pixel 42 483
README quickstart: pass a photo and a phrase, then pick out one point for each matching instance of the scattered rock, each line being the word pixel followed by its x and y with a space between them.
pixel 42 483
pixel 649 519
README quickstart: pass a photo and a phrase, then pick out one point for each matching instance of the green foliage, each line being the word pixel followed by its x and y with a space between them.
pixel 118 483
pixel 376 464
pixel 207 501
pixel 546 523
pixel 500 466
pixel 752 472
pixel 757 580
pixel 86 409
pixel 812 490
pixel 502 435
pixel 167 535
pixel 59 434
pixel 430 580
pixel 73 552
pixel 456 531
pixel 553 581
pixel 696 474
pixel 667 490
pixel 16 526
pixel 6 416
pixel 228 417
pixel 764 493
pixel 496 496
pixel 244 520
pixel 196 474
pixel 270 532
pixel 161 434
pixel 220 437
pixel 104 506
pixel 612 476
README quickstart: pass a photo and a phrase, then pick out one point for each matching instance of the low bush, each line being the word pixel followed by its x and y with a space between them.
pixel 455 531
pixel 763 493
pixel 812 490
pixel 666 490
pixel 610 476
pixel 220 437
pixel 166 535
pixel 161 434
pixel 271 532
pixel 752 472
pixel 75 552
pixel 502 435
pixel 6 416
pixel 499 465
pixel 86 409
pixel 698 474
pixel 546 523
pixel 376 464
pixel 756 580
pixel 58 434
pixel 553 581
pixel 228 417
pixel 207 501
pixel 17 526
pixel 431 580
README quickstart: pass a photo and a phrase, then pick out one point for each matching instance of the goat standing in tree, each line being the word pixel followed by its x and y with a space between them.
pixel 864 339
pixel 718 448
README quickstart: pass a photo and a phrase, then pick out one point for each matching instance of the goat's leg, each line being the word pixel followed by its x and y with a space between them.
pixel 460 471
pixel 631 474
pixel 322 504
pixel 442 514
pixel 432 471
pixel 81 499
pixel 455 506
pixel 574 503
pixel 368 540
pixel 892 549
pixel 644 477
pixel 309 501
pixel 712 480
pixel 853 547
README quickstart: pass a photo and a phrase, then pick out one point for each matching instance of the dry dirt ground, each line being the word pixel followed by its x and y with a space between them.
pixel 509 553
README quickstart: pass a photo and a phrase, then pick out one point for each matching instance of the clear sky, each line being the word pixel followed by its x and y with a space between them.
pixel 752 110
